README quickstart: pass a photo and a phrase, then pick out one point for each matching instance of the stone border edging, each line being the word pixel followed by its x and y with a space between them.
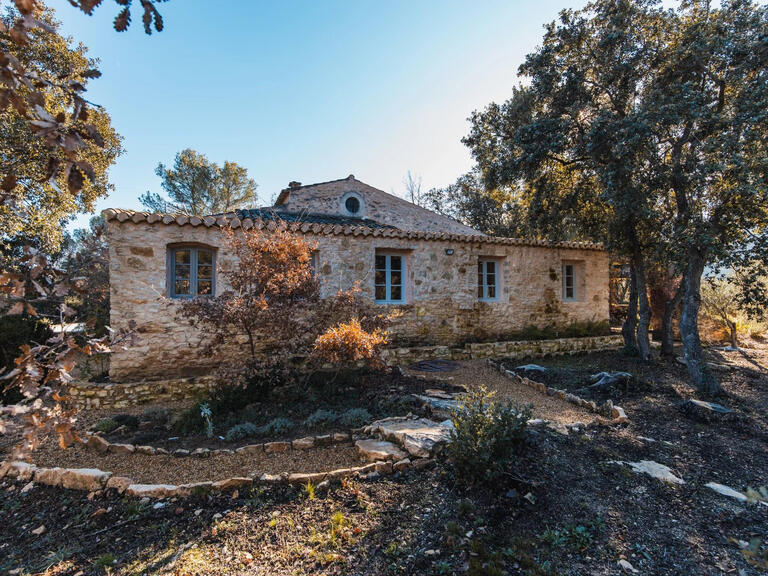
pixel 92 479
pixel 616 414
pixel 99 444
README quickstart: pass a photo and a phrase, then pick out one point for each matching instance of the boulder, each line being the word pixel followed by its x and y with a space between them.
pixel 340 437
pixel 373 450
pixel 201 452
pixel 98 444
pixel 181 453
pixel 384 468
pixel 420 437
pixel 84 479
pixel 148 450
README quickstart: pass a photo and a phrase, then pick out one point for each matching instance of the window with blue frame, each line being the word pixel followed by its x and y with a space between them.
pixel 389 282
pixel 192 272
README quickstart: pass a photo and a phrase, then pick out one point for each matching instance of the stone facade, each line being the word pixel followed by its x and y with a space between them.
pixel 442 306
pixel 374 204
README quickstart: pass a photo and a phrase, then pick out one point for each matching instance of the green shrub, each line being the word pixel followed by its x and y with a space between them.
pixel 485 437
pixel 355 417
pixel 276 427
pixel 105 425
pixel 321 417
pixel 240 431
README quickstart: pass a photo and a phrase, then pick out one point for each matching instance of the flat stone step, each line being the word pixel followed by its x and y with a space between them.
pixel 374 450
pixel 420 437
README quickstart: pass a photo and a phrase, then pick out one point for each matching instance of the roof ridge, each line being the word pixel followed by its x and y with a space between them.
pixel 153 218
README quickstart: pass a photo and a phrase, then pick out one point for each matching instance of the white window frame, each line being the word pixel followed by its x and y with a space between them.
pixel 361 210
pixel 482 264
pixel 388 277
pixel 566 276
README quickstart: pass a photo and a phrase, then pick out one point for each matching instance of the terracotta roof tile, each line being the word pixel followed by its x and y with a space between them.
pixel 334 228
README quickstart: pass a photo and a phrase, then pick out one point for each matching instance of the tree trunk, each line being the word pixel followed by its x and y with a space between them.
pixel 701 375
pixel 644 309
pixel 629 328
pixel 667 331
pixel 734 334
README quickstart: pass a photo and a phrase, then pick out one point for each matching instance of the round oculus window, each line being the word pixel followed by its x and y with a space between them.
pixel 352 204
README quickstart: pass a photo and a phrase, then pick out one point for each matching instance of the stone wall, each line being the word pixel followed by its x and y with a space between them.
pixel 124 394
pixel 442 307
pixel 510 349
pixel 328 198
pixel 121 395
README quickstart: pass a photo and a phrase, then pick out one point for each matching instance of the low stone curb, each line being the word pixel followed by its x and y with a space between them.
pixel 102 446
pixel 91 479
pixel 614 414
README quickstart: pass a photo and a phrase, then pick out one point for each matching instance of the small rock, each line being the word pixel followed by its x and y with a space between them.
pixel 274 447
pixel 121 448
pixel 626 566
pixel 146 425
pixel 158 505
pixel 217 516
pixel 98 444
pixel 431 552
pixel 511 494
pixel 148 450
pixel 39 530
pixel 201 452
pixel 531 368
pixel 181 453
pixel 727 491
pixel 653 469
pixel 303 443
pixel 198 512
pixel 98 513
pixel 27 487
pixel 340 437
pixel 250 448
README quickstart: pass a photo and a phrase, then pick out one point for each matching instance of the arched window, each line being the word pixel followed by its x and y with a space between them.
pixel 191 271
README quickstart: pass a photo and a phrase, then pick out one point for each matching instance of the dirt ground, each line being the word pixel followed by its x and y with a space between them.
pixel 568 510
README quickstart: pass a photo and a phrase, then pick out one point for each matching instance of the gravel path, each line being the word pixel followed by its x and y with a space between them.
pixel 164 469
pixel 477 372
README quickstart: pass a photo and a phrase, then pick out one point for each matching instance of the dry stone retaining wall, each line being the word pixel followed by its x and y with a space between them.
pixel 123 394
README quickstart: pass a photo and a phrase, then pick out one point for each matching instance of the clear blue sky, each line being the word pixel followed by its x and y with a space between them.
pixel 305 90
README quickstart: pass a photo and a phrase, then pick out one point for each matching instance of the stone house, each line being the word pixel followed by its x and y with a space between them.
pixel 452 283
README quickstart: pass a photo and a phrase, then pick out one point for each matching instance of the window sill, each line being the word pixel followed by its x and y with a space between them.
pixel 390 302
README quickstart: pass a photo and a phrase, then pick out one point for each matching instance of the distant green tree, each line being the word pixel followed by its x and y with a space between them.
pixel 659 118
pixel 197 186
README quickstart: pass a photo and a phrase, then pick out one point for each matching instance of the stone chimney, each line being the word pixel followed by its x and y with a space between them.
pixel 292 185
